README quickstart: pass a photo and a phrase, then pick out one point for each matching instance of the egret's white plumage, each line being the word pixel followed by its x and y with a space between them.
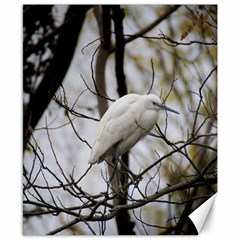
pixel 127 120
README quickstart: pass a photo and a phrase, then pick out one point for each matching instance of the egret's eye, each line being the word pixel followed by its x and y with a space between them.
pixel 154 103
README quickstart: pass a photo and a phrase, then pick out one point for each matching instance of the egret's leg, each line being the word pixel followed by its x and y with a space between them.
pixel 115 154
pixel 117 159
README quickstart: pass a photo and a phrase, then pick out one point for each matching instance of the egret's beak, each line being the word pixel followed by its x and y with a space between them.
pixel 161 106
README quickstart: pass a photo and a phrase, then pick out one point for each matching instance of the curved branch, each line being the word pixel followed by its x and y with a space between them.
pixel 150 26
pixel 180 186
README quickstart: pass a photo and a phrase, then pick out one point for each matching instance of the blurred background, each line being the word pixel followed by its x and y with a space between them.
pixel 76 61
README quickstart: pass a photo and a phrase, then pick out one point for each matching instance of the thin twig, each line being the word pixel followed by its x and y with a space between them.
pixel 153 75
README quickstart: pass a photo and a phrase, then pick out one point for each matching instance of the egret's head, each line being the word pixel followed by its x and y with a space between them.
pixel 153 102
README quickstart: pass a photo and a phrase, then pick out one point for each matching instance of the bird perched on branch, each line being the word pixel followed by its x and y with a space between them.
pixel 128 120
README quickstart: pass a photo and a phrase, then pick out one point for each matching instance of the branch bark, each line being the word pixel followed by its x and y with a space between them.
pixel 102 14
pixel 124 224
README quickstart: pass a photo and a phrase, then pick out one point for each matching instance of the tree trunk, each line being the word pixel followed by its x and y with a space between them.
pixel 54 76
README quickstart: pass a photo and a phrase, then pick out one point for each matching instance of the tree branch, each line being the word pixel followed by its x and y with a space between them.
pixel 180 186
pixel 150 26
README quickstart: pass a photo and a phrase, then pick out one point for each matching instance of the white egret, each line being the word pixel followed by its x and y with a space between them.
pixel 128 120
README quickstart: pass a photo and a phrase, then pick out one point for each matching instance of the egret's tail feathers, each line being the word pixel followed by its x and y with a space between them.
pixel 93 157
pixel 92 161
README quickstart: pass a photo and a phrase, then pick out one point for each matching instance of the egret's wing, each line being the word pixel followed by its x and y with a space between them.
pixel 119 107
pixel 117 124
